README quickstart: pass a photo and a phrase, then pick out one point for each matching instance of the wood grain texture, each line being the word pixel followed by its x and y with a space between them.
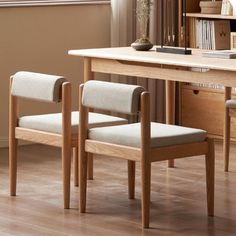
pixel 75 157
pixel 13 117
pixel 89 75
pixel 145 158
pixel 210 177
pixel 83 127
pixel 131 179
pixel 209 105
pixel 128 54
pixel 130 153
pixel 38 136
pixel 66 142
pixel 178 151
pixel 43 137
pixel 90 166
pixel 167 72
pixel 170 108
pixel 178 206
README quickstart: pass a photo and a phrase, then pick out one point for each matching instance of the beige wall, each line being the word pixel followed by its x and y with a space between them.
pixel 38 38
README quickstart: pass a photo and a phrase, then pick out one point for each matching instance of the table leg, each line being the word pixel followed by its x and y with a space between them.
pixel 226 137
pixel 89 75
pixel 170 108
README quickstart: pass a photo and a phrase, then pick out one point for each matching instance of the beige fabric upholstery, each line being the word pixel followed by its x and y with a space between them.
pixel 116 97
pixel 53 122
pixel 161 135
pixel 37 86
pixel 231 103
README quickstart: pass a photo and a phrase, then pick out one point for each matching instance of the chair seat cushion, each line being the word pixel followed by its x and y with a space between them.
pixel 53 122
pixel 161 135
pixel 231 103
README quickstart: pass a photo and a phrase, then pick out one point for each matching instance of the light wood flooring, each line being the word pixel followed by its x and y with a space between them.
pixel 178 204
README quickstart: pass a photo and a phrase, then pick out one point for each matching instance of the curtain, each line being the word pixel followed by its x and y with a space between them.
pixel 170 25
pixel 124 31
pixel 155 87
pixel 122 22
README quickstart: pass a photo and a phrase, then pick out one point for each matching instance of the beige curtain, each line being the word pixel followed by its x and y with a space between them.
pixel 124 31
pixel 123 23
pixel 155 87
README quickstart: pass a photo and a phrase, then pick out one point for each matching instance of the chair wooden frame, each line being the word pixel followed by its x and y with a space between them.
pixel 145 154
pixel 66 141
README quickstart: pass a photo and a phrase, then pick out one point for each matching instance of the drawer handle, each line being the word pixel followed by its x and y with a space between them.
pixel 196 91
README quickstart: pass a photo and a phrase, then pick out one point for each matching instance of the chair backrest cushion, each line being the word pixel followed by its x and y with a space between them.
pixel 116 97
pixel 37 86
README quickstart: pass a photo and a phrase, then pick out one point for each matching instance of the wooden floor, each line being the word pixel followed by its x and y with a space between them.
pixel 178 198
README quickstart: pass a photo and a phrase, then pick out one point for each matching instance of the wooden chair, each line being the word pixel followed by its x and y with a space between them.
pixel 145 142
pixel 58 129
pixel 230 111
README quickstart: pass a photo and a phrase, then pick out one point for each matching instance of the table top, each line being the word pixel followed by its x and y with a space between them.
pixel 153 57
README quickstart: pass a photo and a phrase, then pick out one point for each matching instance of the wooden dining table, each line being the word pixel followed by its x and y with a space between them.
pixel 164 66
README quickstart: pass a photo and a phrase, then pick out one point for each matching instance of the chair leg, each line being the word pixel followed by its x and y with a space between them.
pixel 66 172
pixel 82 180
pixel 90 165
pixel 13 165
pixel 210 177
pixel 131 179
pixel 76 166
pixel 146 188
pixel 226 145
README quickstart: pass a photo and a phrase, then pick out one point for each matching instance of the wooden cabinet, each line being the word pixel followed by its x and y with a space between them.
pixel 204 108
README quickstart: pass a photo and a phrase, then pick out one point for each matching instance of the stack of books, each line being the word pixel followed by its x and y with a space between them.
pixel 226 54
pixel 210 34
pixel 210 7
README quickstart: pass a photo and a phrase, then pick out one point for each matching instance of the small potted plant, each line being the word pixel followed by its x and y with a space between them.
pixel 143 15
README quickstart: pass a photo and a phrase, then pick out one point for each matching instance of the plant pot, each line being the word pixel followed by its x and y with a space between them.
pixel 142 46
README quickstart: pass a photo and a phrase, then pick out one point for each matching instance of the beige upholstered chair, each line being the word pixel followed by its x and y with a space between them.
pixel 146 141
pixel 230 111
pixel 60 129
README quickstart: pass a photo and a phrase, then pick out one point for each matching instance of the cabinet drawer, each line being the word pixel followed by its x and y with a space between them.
pixel 204 109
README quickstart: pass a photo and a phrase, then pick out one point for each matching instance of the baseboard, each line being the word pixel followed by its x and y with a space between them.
pixel 4 142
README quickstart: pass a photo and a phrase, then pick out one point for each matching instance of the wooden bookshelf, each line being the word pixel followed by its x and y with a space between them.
pixel 199 101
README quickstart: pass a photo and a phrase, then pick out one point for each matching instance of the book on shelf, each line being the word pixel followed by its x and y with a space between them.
pixel 226 54
pixel 233 4
pixel 210 34
pixel 227 8
pixel 233 40
pixel 210 7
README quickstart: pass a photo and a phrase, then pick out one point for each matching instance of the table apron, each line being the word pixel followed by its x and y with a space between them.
pixel 163 72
